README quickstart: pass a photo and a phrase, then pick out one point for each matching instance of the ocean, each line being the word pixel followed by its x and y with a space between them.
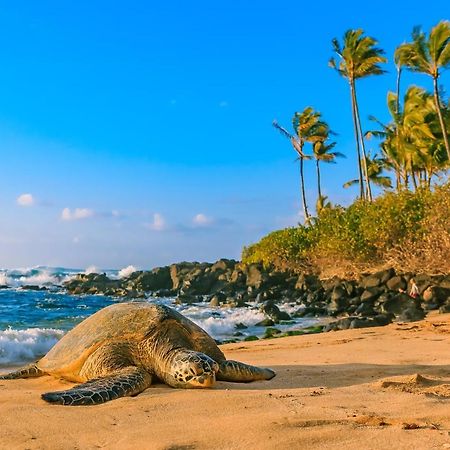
pixel 32 321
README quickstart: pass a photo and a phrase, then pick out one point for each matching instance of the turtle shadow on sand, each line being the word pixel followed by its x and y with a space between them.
pixel 120 350
pixel 338 375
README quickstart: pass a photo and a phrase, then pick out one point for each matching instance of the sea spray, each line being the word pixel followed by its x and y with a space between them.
pixel 17 346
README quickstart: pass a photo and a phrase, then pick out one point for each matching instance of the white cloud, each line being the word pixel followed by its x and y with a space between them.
pixel 25 200
pixel 159 223
pixel 76 214
pixel 200 220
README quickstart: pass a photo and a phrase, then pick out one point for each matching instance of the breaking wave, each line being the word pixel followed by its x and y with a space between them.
pixel 20 346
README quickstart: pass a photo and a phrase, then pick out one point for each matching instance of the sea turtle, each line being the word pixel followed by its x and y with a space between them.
pixel 120 349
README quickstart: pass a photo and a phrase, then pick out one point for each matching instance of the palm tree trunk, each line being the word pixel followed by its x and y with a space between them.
pixel 302 184
pixel 318 179
pixel 358 151
pixel 439 112
pixel 397 103
pixel 413 178
pixel 363 148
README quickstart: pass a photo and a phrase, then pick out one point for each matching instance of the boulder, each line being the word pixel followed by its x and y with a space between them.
pixel 396 283
pixel 217 299
pixel 385 275
pixel 306 282
pixel 265 323
pixel 435 295
pixel 445 308
pixel 370 281
pixel 187 299
pixel 273 312
pixel 310 311
pixel 255 276
pixel 445 282
pixel 365 309
pixel 339 301
pixel 371 294
pixel 398 303
pixel 222 265
pixel 158 278
pixel 411 314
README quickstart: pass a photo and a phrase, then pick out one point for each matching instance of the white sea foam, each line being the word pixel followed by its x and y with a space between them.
pixel 21 346
pixel 221 322
pixel 91 269
pixel 126 271
pixel 40 278
pixel 5 280
pixel 40 275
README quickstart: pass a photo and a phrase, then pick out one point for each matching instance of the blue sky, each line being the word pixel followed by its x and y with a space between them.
pixel 142 132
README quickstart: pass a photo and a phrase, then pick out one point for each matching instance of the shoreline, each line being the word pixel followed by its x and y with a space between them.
pixel 360 388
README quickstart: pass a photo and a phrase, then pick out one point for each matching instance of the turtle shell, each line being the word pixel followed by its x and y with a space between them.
pixel 129 322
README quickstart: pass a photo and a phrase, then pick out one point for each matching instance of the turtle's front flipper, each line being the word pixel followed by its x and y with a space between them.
pixel 125 382
pixel 242 373
pixel 31 371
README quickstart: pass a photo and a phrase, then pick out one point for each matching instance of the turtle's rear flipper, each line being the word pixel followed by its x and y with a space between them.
pixel 31 371
pixel 242 373
pixel 125 382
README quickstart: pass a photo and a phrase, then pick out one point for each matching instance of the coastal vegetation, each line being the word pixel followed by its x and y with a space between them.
pixel 408 225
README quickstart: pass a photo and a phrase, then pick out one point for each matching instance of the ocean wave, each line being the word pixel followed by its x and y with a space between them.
pixel 22 346
pixel 221 323
pixel 40 276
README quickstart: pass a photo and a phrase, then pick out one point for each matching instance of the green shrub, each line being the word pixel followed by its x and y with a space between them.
pixel 408 230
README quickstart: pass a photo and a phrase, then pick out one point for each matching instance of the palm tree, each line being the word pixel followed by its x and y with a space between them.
pixel 375 167
pixel 322 151
pixel 430 57
pixel 359 58
pixel 322 203
pixel 400 59
pixel 307 128
pixel 411 144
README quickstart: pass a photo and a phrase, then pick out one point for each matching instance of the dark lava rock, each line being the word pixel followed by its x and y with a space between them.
pixel 274 312
pixel 366 309
pixel 187 299
pixel 411 314
pixel 385 275
pixel 436 295
pixel 396 283
pixel 370 294
pixel 310 311
pixel 158 278
pixel 265 323
pixel 306 282
pixel 397 303
pixel 341 324
pixel 271 332
pixel 217 299
pixel 370 281
pixel 445 308
pixel 32 287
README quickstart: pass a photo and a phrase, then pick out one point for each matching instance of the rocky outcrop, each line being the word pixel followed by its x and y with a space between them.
pixel 372 300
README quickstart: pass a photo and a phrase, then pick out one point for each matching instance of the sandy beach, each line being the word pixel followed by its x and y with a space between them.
pixel 373 388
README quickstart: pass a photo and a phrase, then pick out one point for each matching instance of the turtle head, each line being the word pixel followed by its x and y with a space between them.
pixel 191 369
